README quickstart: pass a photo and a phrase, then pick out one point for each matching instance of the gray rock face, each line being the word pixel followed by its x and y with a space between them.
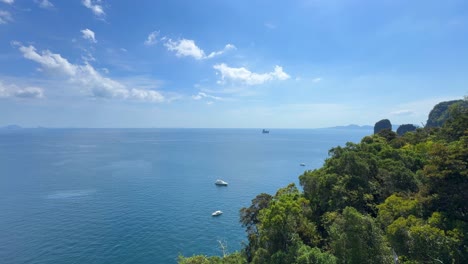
pixel 381 125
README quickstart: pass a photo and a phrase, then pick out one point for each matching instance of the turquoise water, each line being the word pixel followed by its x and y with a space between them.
pixel 141 195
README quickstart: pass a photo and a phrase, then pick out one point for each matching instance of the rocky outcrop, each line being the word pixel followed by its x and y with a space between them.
pixel 381 125
pixel 440 113
pixel 405 128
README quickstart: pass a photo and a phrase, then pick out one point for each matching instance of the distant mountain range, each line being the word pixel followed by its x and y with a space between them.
pixel 353 126
pixel 16 127
pixel 11 127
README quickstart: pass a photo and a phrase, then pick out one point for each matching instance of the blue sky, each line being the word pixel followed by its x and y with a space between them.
pixel 272 64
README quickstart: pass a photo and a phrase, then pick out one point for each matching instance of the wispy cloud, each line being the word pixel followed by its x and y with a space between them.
pixel 26 92
pixel 245 76
pixel 152 38
pixel 316 80
pixel 89 35
pixel 87 78
pixel 8 1
pixel 402 112
pixel 5 17
pixel 95 7
pixel 202 95
pixel 46 4
pixel 188 48
pixel 270 26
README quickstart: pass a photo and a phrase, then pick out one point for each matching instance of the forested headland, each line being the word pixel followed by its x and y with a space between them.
pixel 387 199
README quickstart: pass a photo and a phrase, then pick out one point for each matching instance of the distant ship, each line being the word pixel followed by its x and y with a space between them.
pixel 217 213
pixel 221 183
pixel 264 131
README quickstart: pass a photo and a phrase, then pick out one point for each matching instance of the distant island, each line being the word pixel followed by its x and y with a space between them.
pixel 11 127
pixel 351 126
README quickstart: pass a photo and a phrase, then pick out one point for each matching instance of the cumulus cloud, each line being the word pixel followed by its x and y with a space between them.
pixel 5 17
pixel 14 91
pixel 8 1
pixel 245 76
pixel 202 95
pixel 152 38
pixel 188 48
pixel 49 60
pixel 46 4
pixel 89 35
pixel 88 78
pixel 94 6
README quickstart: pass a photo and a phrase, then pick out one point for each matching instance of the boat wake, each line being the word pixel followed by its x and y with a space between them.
pixel 70 194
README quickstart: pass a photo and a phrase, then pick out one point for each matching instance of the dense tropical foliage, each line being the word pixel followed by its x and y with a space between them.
pixel 385 198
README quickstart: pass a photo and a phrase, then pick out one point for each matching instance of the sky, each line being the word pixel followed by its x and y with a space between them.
pixel 229 64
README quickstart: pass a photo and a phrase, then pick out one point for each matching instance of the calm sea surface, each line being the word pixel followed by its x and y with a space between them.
pixel 141 195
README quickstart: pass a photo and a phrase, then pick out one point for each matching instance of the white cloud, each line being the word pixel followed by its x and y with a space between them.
pixel 202 95
pixel 14 91
pixel 185 48
pixel 49 60
pixel 243 75
pixel 216 53
pixel 146 95
pixel 94 6
pixel 89 35
pixel 402 112
pixel 316 80
pixel 46 4
pixel 30 92
pixel 151 39
pixel 87 78
pixel 188 48
pixel 5 17
pixel 8 1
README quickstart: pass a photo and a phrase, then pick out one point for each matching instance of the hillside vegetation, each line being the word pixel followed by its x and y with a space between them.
pixel 383 198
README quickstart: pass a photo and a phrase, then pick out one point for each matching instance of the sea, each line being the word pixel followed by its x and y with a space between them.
pixel 142 195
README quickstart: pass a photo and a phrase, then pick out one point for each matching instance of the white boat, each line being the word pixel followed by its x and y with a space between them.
pixel 221 183
pixel 216 213
pixel 302 164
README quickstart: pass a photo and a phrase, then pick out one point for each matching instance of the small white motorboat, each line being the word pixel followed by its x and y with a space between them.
pixel 221 183
pixel 216 213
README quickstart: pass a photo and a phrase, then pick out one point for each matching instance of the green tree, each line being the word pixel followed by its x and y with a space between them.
pixel 249 218
pixel 355 238
pixel 415 240
pixel 447 173
pixel 283 225
pixel 235 258
pixel 309 255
